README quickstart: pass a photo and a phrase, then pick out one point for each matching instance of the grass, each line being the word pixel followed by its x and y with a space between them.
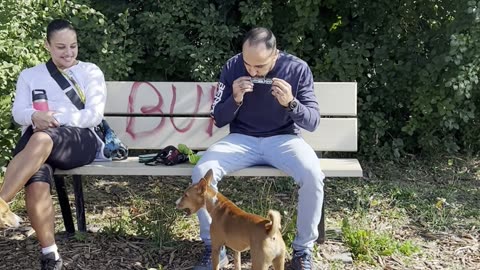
pixel 405 214
pixel 367 244
pixel 428 197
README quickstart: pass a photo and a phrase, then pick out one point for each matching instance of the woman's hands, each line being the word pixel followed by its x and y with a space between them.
pixel 44 120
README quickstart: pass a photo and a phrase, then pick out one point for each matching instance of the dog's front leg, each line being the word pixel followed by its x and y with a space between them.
pixel 215 256
pixel 237 260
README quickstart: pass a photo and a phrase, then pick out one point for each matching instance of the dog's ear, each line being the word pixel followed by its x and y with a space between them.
pixel 204 183
pixel 209 176
pixel 3 206
pixel 202 186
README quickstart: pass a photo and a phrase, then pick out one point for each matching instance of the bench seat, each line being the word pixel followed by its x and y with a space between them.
pixel 331 167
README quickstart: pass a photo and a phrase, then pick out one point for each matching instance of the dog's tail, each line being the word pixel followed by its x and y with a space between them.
pixel 275 223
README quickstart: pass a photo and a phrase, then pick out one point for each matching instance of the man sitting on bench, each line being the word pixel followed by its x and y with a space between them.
pixel 266 96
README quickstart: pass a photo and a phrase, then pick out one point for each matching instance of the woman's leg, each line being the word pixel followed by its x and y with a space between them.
pixel 25 164
pixel 40 212
pixel 72 147
pixel 67 147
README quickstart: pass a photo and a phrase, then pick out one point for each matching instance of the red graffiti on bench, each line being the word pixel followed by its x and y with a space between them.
pixel 158 109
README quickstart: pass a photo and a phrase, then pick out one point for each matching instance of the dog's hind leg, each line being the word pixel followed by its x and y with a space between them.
pixel 237 261
pixel 216 256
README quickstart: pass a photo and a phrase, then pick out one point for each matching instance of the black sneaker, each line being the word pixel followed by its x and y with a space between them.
pixel 302 260
pixel 49 263
pixel 206 261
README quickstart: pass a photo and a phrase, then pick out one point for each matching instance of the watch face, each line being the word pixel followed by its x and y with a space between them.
pixel 293 104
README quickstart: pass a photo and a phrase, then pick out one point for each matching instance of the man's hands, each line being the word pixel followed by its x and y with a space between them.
pixel 241 86
pixel 44 120
pixel 282 91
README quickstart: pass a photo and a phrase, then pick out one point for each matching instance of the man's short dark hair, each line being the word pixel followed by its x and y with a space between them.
pixel 260 35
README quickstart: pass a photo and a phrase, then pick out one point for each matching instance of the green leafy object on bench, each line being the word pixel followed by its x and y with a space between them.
pixel 184 149
pixel 192 157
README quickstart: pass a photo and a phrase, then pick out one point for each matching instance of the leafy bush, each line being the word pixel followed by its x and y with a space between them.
pixel 20 47
pixel 182 40
pixel 104 41
pixel 417 69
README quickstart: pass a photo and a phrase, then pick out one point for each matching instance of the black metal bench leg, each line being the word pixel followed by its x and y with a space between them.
pixel 321 226
pixel 79 203
pixel 64 204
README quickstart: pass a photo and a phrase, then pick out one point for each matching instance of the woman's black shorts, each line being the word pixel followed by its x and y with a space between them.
pixel 72 147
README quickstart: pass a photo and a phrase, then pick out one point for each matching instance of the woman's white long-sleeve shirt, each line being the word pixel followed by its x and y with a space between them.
pixel 90 79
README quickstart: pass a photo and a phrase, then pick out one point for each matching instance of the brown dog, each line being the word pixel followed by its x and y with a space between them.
pixel 7 217
pixel 235 228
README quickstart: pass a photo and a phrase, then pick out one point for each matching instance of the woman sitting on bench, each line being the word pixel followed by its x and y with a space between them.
pixel 55 134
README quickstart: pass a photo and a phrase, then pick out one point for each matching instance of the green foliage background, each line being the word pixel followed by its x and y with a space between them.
pixel 416 62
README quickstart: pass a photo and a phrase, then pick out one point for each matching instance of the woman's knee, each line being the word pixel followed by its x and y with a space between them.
pixel 37 190
pixel 41 140
pixel 44 174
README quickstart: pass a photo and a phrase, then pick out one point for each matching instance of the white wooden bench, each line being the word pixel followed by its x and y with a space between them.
pixel 153 115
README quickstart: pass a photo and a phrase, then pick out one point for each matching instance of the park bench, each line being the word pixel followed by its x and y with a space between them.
pixel 153 115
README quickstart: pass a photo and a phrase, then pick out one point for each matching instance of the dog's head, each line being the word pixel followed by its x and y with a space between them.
pixel 7 217
pixel 194 196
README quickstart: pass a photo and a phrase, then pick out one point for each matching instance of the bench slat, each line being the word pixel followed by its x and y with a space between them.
pixel 333 134
pixel 131 166
pixel 335 98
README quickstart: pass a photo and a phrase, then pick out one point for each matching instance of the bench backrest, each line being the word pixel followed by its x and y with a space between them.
pixel 152 115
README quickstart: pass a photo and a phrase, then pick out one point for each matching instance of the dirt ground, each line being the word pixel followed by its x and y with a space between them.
pixel 98 250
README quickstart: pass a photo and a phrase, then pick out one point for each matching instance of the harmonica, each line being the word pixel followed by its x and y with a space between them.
pixel 262 80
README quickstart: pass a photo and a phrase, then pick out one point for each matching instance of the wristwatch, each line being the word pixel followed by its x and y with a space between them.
pixel 292 105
